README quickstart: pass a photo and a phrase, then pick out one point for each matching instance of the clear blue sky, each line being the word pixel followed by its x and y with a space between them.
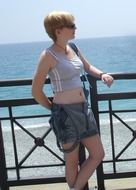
pixel 22 20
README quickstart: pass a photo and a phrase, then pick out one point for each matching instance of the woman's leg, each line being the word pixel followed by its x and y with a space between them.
pixel 71 167
pixel 96 153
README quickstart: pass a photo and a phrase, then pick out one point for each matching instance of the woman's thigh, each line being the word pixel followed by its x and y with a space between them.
pixel 94 146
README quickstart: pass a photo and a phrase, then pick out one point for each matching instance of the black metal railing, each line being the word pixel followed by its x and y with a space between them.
pixel 16 173
pixel 115 161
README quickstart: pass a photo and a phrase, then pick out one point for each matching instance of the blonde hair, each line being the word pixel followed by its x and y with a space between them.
pixel 57 20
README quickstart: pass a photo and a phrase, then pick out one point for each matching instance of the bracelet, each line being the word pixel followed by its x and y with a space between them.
pixel 102 74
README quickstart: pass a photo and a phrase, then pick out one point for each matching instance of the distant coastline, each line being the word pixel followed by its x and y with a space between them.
pixel 76 39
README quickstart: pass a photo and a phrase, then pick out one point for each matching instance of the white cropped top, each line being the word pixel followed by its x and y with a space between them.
pixel 66 74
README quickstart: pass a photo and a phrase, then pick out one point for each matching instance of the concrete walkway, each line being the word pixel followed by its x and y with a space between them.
pixel 116 184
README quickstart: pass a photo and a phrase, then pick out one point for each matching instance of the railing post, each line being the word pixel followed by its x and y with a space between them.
pixel 94 106
pixel 3 172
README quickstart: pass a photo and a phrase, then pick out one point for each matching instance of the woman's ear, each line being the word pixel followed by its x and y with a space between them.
pixel 57 32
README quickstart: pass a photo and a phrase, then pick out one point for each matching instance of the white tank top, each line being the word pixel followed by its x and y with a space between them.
pixel 66 74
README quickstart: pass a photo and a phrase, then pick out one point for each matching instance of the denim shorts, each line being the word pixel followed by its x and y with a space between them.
pixel 72 122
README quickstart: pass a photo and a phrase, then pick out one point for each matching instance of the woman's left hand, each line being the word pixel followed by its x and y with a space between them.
pixel 107 79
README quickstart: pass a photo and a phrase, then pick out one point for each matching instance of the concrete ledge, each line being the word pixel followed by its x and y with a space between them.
pixel 121 184
pixel 116 184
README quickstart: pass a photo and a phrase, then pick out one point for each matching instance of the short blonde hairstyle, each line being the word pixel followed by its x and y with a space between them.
pixel 57 20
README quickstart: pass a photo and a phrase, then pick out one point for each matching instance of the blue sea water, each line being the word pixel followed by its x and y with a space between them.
pixel 113 54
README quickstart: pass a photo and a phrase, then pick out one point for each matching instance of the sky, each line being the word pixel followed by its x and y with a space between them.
pixel 22 20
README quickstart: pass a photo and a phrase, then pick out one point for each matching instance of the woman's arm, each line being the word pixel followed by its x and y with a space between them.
pixel 106 78
pixel 39 80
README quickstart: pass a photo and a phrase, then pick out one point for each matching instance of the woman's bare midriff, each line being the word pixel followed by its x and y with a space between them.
pixel 69 96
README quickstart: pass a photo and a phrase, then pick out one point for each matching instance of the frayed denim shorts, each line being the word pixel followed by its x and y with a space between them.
pixel 72 122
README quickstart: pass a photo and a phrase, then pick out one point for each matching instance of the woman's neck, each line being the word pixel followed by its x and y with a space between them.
pixel 61 46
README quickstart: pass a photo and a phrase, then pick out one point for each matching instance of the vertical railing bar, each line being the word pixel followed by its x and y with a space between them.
pixel 112 136
pixel 94 105
pixel 3 169
pixel 14 142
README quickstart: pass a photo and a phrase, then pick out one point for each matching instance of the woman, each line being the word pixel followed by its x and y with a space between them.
pixel 64 67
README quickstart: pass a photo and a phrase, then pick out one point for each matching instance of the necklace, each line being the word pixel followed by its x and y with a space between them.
pixel 64 49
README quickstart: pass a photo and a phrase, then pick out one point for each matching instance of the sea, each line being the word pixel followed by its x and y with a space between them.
pixel 110 54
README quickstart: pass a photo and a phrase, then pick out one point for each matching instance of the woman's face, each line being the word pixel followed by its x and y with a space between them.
pixel 67 32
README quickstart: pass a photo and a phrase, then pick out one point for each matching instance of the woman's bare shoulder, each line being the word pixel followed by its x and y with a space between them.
pixel 46 58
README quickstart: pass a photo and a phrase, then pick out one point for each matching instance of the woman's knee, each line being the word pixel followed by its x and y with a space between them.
pixel 97 155
pixel 94 145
